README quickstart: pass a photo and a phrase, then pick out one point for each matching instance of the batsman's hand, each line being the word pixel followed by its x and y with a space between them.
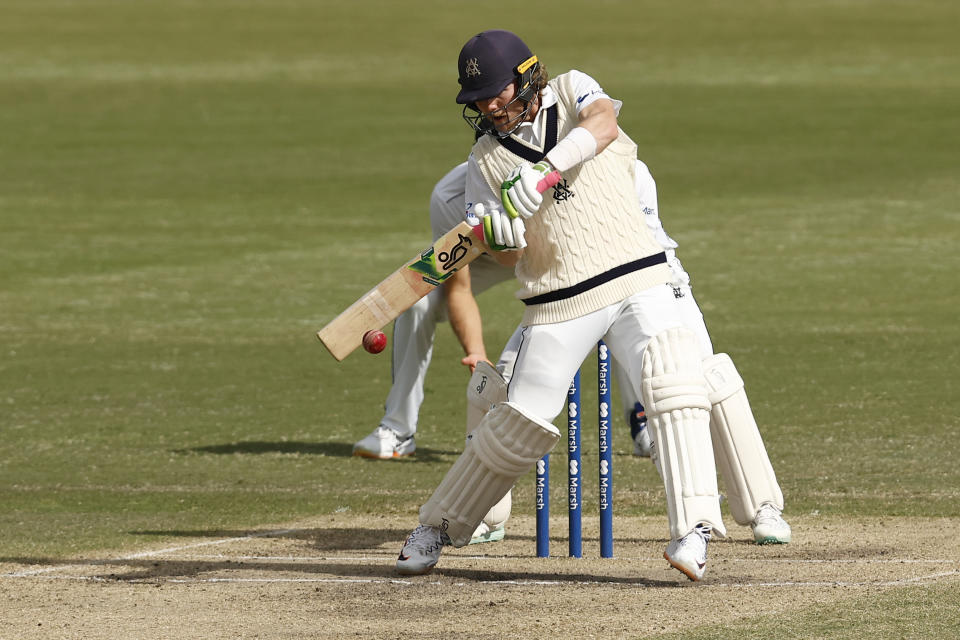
pixel 500 231
pixel 473 359
pixel 519 192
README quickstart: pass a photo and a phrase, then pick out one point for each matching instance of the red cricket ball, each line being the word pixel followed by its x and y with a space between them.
pixel 374 341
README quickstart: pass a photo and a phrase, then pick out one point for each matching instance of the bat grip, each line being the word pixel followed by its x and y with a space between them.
pixel 545 183
pixel 548 181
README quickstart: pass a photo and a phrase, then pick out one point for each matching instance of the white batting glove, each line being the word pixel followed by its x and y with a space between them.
pixel 519 192
pixel 500 231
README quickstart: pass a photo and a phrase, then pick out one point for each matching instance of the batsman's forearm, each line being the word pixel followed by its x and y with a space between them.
pixel 465 320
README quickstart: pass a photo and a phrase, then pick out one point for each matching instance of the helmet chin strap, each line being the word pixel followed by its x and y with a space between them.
pixel 483 125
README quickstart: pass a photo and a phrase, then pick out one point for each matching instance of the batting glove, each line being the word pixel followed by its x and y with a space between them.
pixel 519 192
pixel 500 231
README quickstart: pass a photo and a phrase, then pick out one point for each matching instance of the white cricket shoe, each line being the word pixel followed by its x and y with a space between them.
pixel 769 527
pixel 421 551
pixel 384 444
pixel 639 431
pixel 485 534
pixel 641 444
pixel 689 553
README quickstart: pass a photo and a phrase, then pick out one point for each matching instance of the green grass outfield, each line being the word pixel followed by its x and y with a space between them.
pixel 189 190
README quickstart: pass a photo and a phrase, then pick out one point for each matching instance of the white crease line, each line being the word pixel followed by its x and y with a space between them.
pixel 208 543
pixel 306 559
pixel 148 554
pixel 845 561
pixel 366 559
pixel 930 579
pixel 296 580
pixel 559 583
pixel 318 559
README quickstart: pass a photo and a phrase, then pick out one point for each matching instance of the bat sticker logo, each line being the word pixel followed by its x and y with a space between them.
pixel 456 253
pixel 435 273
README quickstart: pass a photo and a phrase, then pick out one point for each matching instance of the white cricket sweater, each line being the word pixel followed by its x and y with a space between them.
pixel 585 250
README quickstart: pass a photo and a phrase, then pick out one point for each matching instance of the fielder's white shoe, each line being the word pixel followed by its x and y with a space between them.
pixel 639 431
pixel 689 553
pixel 769 527
pixel 641 444
pixel 421 551
pixel 384 444
pixel 485 534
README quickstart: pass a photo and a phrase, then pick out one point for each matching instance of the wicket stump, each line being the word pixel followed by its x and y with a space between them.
pixel 605 466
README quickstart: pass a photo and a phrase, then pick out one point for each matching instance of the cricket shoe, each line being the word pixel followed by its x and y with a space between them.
pixel 384 444
pixel 485 534
pixel 421 551
pixel 769 527
pixel 639 431
pixel 689 553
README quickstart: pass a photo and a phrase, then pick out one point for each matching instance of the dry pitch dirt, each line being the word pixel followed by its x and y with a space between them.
pixel 333 578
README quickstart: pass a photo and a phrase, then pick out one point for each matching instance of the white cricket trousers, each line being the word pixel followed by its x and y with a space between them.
pixel 690 317
pixel 549 355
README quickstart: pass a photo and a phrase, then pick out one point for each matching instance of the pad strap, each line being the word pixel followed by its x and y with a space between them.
pixel 485 389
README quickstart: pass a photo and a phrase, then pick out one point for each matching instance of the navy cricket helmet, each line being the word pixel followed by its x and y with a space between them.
pixel 488 62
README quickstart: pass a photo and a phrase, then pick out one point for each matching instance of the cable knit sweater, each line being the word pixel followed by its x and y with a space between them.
pixel 587 246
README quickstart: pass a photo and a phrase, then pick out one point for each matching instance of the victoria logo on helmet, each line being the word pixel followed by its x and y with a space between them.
pixel 473 68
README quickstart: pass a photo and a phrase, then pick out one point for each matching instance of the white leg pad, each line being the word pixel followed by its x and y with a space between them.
pixel 678 412
pixel 486 389
pixel 504 446
pixel 740 453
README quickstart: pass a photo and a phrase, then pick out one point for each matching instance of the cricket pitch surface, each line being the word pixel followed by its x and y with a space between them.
pixel 334 577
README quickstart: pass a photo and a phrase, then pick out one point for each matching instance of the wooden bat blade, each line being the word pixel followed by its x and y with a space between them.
pixel 401 289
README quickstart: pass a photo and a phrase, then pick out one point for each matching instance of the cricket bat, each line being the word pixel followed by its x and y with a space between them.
pixel 401 289
pixel 381 305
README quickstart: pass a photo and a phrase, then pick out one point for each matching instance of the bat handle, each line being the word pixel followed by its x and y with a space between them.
pixel 545 183
pixel 548 181
pixel 478 231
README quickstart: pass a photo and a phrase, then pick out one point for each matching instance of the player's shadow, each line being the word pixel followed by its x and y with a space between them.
pixel 260 447
pixel 317 539
pixel 329 449
pixel 224 569
pixel 327 553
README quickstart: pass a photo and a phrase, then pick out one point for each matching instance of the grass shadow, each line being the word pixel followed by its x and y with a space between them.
pixel 294 447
